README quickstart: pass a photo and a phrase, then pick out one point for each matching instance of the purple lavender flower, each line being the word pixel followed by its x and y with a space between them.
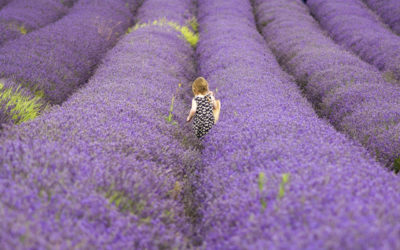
pixel 167 10
pixel 61 56
pixel 4 2
pixel 22 16
pixel 357 28
pixel 388 10
pixel 343 88
pixel 105 170
pixel 70 3
pixel 276 176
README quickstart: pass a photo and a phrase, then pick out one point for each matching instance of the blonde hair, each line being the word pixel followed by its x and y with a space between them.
pixel 200 86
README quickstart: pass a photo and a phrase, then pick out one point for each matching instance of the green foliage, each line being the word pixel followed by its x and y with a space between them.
pixel 396 165
pixel 169 117
pixel 146 220
pixel 22 238
pixel 171 108
pixel 261 183
pixel 265 23
pixel 24 108
pixel 47 192
pixel 124 203
pixel 174 193
pixel 389 76
pixel 285 179
pixel 194 24
pixel 168 216
pixel 191 37
pixel 23 30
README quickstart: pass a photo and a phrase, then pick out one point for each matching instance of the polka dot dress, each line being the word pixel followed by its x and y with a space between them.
pixel 204 118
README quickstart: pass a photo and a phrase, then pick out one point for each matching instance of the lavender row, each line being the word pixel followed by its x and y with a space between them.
pixel 53 61
pixel 23 16
pixel 4 2
pixel 388 10
pixel 357 28
pixel 105 170
pixel 352 94
pixel 167 10
pixel 276 176
pixel 60 56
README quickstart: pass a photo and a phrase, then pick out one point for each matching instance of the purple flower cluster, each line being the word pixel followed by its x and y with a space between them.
pixel 388 10
pixel 70 3
pixel 276 176
pixel 107 169
pixel 167 10
pixel 59 57
pixel 352 94
pixel 4 2
pixel 352 24
pixel 22 16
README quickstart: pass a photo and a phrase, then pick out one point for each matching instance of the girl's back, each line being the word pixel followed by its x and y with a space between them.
pixel 205 109
pixel 204 117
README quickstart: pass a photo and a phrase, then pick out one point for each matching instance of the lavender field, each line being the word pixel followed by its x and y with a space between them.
pixel 96 152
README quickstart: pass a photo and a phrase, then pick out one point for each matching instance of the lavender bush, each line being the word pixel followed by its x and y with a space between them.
pixel 58 58
pixel 22 16
pixel 276 176
pixel 354 26
pixel 388 10
pixel 70 3
pixel 352 94
pixel 4 2
pixel 107 169
pixel 167 10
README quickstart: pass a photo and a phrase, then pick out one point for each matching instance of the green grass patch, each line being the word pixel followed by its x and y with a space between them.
pixel 23 30
pixel 124 203
pixel 396 165
pixel 191 37
pixel 23 108
pixel 194 24
pixel 285 180
pixel 171 109
pixel 261 183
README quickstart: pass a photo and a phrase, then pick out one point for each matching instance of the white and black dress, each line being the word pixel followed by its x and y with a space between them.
pixel 204 118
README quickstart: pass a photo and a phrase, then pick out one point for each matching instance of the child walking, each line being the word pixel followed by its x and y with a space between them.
pixel 205 109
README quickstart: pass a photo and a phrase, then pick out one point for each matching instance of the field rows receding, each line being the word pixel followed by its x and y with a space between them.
pixel 49 64
pixel 275 175
pixel 4 2
pixel 352 24
pixel 388 10
pixel 116 166
pixel 22 16
pixel 104 170
pixel 353 95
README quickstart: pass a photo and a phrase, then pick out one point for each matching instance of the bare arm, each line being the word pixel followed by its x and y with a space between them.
pixel 214 103
pixel 192 111
pixel 190 116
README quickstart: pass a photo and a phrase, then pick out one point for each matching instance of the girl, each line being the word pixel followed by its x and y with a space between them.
pixel 205 109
